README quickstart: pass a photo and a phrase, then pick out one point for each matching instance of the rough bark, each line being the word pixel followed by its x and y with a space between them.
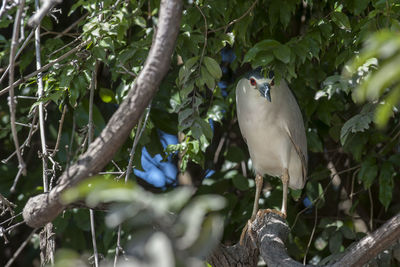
pixel 44 208
pixel 270 231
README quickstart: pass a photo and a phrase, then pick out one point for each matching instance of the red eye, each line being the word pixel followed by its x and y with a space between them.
pixel 252 82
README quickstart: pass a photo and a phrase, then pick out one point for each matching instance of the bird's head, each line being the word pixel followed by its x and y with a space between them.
pixel 257 81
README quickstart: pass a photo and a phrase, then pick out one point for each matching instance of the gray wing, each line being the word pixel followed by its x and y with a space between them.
pixel 296 131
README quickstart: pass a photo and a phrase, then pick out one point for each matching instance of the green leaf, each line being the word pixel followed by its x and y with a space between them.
pixel 368 172
pixel 206 76
pixel 341 20
pixel 385 110
pixel 386 184
pixel 106 95
pixel 314 142
pixel 140 21
pixel 213 67
pixel 285 13
pixel 235 154
pixel 240 182
pixel 335 242
pixel 358 123
pixel 263 59
pixel 282 52
pixel 264 45
pixel 185 119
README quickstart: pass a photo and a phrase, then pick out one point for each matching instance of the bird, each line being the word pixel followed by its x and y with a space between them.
pixel 272 126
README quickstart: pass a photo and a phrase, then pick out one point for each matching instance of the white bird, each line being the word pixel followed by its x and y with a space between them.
pixel 272 126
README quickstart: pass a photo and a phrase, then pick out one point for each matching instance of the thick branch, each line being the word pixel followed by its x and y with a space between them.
pixel 45 207
pixel 270 231
pixel 373 244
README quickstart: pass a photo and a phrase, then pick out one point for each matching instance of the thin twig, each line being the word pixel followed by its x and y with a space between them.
pixel 45 67
pixel 41 110
pixel 16 179
pixel 27 97
pixel 127 71
pixel 60 126
pixel 12 103
pixel 236 20
pixel 139 132
pixel 14 226
pixel 19 250
pixel 93 85
pixel 315 202
pixel 18 53
pixel 39 15
pixel 116 165
pixel 205 34
pixel 11 218
pixel 3 8
pixel 371 216
pixel 63 47
pixel 111 173
pixel 71 26
pixel 312 235
pixel 27 140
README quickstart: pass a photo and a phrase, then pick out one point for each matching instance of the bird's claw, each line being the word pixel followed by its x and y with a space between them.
pixel 247 229
pixel 263 212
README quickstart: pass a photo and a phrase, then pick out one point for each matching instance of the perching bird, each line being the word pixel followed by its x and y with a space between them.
pixel 272 126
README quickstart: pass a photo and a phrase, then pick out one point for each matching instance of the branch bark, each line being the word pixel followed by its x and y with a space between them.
pixel 270 232
pixel 45 207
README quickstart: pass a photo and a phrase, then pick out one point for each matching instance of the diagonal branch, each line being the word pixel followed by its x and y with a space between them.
pixel 271 231
pixel 46 207
pixel 12 103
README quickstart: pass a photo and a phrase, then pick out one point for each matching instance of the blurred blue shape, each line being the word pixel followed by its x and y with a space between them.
pixel 211 122
pixel 155 171
pixel 308 204
pixel 223 85
pixel 209 173
pixel 228 55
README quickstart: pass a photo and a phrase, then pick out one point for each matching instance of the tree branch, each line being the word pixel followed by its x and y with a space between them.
pixel 270 232
pixel 45 207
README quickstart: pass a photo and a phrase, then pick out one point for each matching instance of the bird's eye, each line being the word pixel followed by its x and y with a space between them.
pixel 252 82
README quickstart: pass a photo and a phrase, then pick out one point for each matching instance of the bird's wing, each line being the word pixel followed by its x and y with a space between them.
pixel 301 156
pixel 296 131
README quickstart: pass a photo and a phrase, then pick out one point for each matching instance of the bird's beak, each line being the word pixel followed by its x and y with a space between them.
pixel 265 89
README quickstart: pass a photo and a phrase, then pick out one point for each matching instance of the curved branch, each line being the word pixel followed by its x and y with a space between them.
pixel 270 232
pixel 45 207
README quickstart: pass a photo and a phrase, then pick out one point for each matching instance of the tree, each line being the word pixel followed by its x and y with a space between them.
pixel 104 101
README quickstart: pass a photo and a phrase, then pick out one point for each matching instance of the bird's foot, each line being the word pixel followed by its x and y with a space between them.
pixel 280 213
pixel 247 228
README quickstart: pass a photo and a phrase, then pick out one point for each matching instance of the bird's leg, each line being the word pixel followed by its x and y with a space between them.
pixel 247 228
pixel 285 182
pixel 259 185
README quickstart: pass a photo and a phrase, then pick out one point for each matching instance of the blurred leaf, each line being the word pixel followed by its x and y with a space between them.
pixel 107 95
pixel 385 110
pixel 192 217
pixel 335 242
pixel 341 20
pixel 386 184
pixel 240 182
pixel 368 172
pixel 313 141
pixel 235 154
pixel 358 123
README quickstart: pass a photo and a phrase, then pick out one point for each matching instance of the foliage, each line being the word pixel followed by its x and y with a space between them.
pixel 340 58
